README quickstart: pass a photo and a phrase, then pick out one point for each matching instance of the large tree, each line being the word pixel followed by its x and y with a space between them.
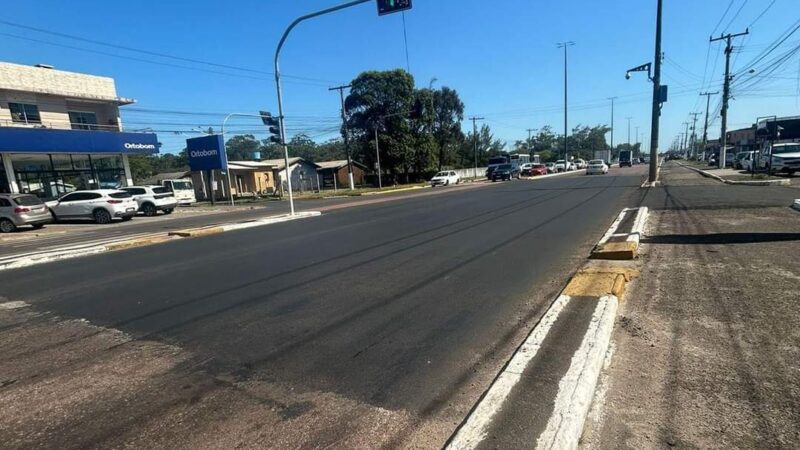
pixel 448 115
pixel 242 147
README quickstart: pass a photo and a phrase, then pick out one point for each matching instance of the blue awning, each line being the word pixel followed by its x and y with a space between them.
pixel 46 140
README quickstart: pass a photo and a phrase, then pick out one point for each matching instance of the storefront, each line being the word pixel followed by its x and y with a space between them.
pixel 49 163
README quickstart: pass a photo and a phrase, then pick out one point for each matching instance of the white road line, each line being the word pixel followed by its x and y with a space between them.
pixel 475 428
pixel 576 388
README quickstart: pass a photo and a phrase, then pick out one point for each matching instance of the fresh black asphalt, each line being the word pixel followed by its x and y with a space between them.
pixel 401 305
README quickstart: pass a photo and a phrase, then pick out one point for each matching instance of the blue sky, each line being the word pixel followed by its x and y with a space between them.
pixel 499 55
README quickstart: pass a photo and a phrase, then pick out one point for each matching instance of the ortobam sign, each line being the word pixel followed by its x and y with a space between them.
pixel 207 153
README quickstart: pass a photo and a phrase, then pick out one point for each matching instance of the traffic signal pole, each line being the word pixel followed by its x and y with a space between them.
pixel 278 82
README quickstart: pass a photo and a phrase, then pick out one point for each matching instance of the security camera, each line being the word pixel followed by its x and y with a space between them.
pixel 627 75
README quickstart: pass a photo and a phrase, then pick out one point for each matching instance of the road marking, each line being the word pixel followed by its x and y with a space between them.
pixel 474 430
pixel 576 388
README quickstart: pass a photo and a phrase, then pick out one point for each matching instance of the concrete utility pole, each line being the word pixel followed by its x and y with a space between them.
pixel 629 131
pixel 346 140
pixel 654 127
pixel 705 128
pixel 564 45
pixel 726 92
pixel 636 136
pixel 528 143
pixel 475 120
pixel 694 134
pixel 685 142
pixel 611 152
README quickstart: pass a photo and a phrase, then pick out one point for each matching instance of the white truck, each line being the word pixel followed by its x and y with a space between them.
pixel 183 190
pixel 785 157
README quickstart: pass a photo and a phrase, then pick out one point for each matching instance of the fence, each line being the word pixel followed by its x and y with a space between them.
pixel 470 173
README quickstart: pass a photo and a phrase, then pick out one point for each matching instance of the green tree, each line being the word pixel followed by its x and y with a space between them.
pixel 242 147
pixel 448 114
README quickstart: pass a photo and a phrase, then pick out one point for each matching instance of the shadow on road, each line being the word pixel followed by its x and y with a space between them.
pixel 721 238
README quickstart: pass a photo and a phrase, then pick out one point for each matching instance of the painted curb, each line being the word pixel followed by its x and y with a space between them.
pixel 196 232
pixel 781 182
pixel 627 248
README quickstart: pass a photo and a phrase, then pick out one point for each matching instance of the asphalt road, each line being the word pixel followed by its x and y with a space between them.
pixel 374 325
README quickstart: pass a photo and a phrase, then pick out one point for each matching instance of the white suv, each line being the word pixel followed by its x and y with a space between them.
pixel 152 199
pixel 101 205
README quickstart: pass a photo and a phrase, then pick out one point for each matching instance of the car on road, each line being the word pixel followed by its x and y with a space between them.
pixel 505 172
pixel 100 205
pixel 445 178
pixel 560 166
pixel 152 199
pixel 534 169
pixel 525 169
pixel 596 166
pixel 17 210
pixel 625 158
pixel 580 164
pixel 551 167
pixel 785 158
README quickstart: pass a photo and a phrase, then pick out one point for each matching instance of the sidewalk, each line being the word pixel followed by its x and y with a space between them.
pixel 737 176
pixel 706 349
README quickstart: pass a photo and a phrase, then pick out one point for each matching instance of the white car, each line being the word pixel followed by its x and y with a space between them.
pixel 152 199
pixel 445 178
pixel 101 205
pixel 596 166
pixel 580 164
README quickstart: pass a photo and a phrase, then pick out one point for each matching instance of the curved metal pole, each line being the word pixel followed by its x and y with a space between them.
pixel 278 84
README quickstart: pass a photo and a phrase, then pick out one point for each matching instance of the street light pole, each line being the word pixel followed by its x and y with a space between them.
pixel 278 82
pixel 475 120
pixel 654 126
pixel 629 132
pixel 611 151
pixel 564 45
pixel 378 158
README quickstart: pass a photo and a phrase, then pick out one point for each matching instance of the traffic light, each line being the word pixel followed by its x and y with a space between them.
pixel 392 6
pixel 274 126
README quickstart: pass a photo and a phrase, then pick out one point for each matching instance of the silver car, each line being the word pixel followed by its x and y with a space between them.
pixel 17 210
pixel 101 205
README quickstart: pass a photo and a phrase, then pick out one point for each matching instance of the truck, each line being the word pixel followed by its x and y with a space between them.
pixel 182 189
pixel 625 158
pixel 602 155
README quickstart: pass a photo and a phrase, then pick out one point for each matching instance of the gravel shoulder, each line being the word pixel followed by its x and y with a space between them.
pixel 706 350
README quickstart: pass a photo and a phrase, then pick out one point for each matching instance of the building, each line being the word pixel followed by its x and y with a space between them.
pixel 303 174
pixel 743 139
pixel 61 131
pixel 333 174
pixel 249 179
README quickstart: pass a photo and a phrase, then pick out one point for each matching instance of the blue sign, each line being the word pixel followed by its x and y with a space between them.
pixel 46 140
pixel 207 153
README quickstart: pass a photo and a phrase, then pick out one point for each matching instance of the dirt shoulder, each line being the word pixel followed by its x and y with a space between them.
pixel 706 350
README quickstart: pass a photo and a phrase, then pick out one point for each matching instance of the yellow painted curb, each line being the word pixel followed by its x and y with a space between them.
pixel 136 243
pixel 615 250
pixel 197 232
pixel 597 282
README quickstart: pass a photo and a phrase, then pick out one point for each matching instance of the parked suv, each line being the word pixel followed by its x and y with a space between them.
pixel 101 205
pixel 152 199
pixel 17 210
pixel 505 172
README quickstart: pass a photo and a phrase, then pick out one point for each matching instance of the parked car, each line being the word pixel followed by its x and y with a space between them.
pixel 505 172
pixel 152 199
pixel 101 205
pixel 445 178
pixel 785 158
pixel 580 164
pixel 596 166
pixel 183 190
pixel 537 169
pixel 738 162
pixel 551 167
pixel 561 166
pixel 17 210
pixel 525 169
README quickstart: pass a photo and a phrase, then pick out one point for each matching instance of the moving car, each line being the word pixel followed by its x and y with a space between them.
pixel 100 205
pixel 596 166
pixel 580 164
pixel 505 172
pixel 17 210
pixel 183 190
pixel 152 199
pixel 445 178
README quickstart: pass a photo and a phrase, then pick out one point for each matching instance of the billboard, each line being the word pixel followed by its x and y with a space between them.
pixel 46 140
pixel 207 153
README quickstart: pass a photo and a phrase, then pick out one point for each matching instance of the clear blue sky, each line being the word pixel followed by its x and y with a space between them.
pixel 499 55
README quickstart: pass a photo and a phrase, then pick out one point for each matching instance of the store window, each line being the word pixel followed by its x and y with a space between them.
pixel 50 176
pixel 82 120
pixel 5 186
pixel 24 113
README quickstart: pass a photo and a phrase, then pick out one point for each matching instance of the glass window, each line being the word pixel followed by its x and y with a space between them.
pixel 161 190
pixel 135 191
pixel 82 120
pixel 4 203
pixel 182 185
pixel 120 194
pixel 24 113
pixel 27 200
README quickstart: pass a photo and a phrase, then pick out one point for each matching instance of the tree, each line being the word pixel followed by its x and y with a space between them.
pixel 487 146
pixel 448 113
pixel 242 147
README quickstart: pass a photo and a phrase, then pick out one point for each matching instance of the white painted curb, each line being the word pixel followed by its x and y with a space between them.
pixel 576 388
pixel 269 220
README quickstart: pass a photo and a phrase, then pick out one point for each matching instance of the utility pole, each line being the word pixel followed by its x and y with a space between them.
pixel 705 128
pixel 726 92
pixel 629 131
pixel 685 138
pixel 528 143
pixel 346 141
pixel 564 45
pixel 636 137
pixel 694 134
pixel 656 100
pixel 611 152
pixel 475 120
